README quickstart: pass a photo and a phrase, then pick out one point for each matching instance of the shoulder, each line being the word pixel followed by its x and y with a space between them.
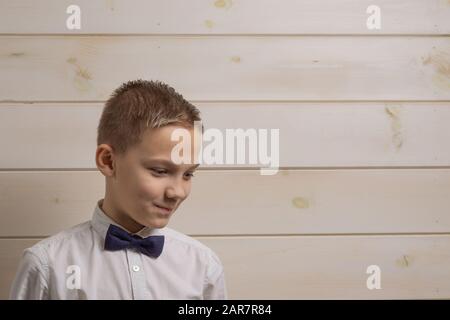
pixel 214 276
pixel 54 243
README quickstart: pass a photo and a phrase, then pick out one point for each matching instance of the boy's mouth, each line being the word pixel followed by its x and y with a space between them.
pixel 164 208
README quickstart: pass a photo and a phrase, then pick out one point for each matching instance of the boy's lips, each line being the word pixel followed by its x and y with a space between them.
pixel 165 208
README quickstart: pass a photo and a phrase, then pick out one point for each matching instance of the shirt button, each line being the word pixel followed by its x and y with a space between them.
pixel 136 268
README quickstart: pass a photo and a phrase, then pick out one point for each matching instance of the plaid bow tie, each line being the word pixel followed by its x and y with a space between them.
pixel 118 239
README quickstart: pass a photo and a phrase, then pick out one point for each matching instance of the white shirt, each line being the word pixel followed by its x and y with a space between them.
pixel 74 265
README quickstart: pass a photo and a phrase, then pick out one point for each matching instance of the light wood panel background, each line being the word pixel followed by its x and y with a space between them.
pixel 88 68
pixel 226 17
pixel 364 133
pixel 311 134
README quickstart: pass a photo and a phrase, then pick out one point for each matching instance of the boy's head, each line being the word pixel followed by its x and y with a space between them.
pixel 134 150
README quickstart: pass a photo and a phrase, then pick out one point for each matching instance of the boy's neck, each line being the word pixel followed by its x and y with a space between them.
pixel 121 219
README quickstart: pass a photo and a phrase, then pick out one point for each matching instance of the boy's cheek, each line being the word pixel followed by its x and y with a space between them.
pixel 149 185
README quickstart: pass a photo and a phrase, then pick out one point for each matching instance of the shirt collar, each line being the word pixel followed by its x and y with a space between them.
pixel 100 222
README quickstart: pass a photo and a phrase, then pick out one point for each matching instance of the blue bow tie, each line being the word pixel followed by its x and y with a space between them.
pixel 118 239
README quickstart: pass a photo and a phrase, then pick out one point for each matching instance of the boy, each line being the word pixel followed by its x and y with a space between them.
pixel 126 251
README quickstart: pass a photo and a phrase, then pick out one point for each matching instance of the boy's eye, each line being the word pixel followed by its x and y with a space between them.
pixel 158 171
pixel 190 174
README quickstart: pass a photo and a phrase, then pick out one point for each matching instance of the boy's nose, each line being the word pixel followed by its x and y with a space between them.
pixel 176 191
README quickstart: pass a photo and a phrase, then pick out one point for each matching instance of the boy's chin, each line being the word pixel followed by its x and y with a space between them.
pixel 158 224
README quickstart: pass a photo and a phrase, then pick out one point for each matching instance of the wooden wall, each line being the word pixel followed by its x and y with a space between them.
pixel 364 133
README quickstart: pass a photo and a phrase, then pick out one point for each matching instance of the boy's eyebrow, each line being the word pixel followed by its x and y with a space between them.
pixel 194 166
pixel 168 163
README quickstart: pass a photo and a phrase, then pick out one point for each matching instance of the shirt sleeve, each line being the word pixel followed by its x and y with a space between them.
pixel 214 286
pixel 30 282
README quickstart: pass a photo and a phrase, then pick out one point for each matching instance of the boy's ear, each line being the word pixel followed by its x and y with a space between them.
pixel 104 159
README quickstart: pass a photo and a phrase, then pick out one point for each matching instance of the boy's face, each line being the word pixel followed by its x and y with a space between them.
pixel 146 186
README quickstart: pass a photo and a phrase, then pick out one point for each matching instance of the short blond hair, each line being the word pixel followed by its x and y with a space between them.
pixel 139 105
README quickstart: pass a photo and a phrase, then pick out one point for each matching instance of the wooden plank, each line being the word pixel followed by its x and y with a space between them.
pixel 240 202
pixel 226 17
pixel 412 267
pixel 63 136
pixel 61 68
